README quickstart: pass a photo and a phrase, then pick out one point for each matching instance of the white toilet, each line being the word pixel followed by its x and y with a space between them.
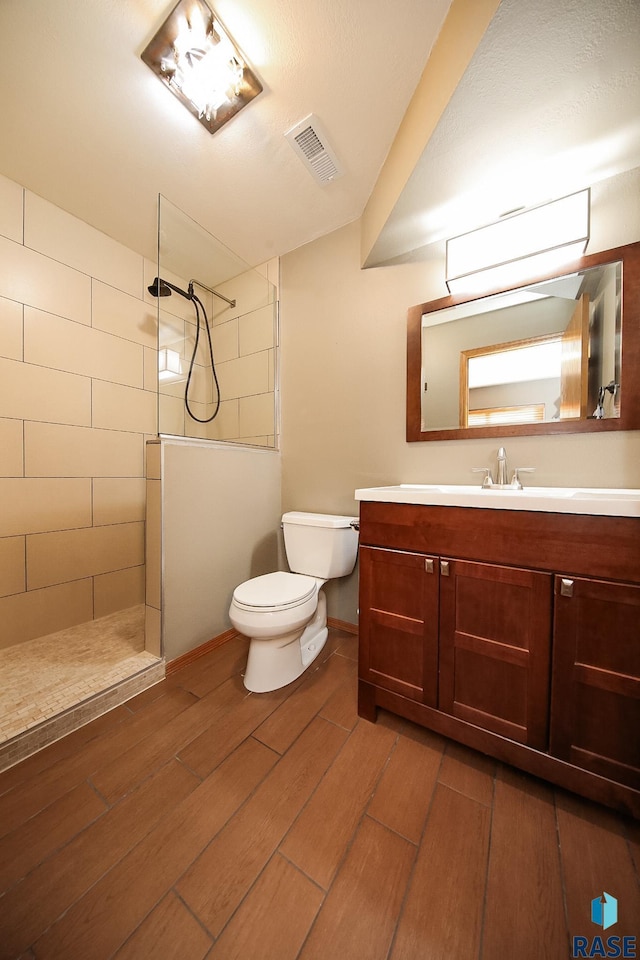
pixel 285 614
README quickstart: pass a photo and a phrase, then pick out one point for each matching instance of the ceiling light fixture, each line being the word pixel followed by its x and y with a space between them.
pixel 520 246
pixel 197 60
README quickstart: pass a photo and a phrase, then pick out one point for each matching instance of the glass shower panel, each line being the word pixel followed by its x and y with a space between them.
pixel 239 403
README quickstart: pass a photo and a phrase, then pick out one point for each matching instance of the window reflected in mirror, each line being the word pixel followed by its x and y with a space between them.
pixel 547 352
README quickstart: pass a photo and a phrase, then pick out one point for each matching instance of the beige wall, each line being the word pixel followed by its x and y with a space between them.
pixel 221 526
pixel 78 364
pixel 343 385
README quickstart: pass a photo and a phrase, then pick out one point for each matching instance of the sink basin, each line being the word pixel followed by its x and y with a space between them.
pixel 587 500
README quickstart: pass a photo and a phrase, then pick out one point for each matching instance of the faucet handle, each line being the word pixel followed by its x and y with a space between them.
pixel 515 480
pixel 488 479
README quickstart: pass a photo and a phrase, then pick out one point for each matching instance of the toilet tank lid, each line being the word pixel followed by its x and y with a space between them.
pixel 317 519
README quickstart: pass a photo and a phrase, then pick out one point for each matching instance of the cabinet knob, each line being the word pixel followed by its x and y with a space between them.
pixel 566 588
pixel 428 566
pixel 444 568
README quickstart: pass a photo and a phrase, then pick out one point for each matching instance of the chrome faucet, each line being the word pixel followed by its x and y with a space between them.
pixel 501 475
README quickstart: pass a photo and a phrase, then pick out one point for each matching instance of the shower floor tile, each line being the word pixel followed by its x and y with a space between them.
pixel 46 676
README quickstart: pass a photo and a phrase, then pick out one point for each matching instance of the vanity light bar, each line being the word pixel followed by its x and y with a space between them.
pixel 519 246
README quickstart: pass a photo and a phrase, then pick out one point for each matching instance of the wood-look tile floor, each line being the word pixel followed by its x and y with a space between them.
pixel 199 821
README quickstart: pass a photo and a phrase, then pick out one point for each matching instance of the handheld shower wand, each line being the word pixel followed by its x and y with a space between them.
pixel 611 388
pixel 162 288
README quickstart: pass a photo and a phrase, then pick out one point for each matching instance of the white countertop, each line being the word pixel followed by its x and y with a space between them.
pixel 597 501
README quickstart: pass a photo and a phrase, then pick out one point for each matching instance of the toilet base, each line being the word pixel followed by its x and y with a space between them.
pixel 273 663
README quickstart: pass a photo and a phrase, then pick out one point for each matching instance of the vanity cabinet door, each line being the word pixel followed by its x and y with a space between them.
pixel 495 631
pixel 399 622
pixel 595 695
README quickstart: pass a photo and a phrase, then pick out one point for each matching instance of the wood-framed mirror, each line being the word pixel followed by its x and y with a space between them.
pixel 560 354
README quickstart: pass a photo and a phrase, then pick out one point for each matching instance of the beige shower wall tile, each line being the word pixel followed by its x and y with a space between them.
pixel 257 415
pixel 40 282
pixel 225 341
pixel 37 506
pixel 153 543
pixel 61 557
pixel 201 386
pixel 171 331
pixel 200 431
pixel 118 500
pixel 171 415
pixel 40 612
pixel 11 456
pixel 250 290
pixel 272 369
pixel 152 631
pixel 12 566
pixel 223 427
pixel 149 269
pixel 118 591
pixel 153 452
pixel 123 315
pixel 248 375
pixel 54 450
pixel 10 329
pixel 150 361
pixel 59 235
pixel 176 388
pixel 52 341
pixel 11 205
pixel 173 307
pixel 271 270
pixel 257 331
pixel 30 392
pixel 226 425
pixel 267 441
pixel 203 357
pixel 123 408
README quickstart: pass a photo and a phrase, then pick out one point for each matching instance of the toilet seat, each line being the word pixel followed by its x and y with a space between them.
pixel 275 591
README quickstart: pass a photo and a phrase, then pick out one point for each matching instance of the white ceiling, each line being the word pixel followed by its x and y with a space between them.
pixel 86 124
pixel 549 103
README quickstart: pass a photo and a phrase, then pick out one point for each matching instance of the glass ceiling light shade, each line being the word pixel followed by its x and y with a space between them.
pixel 196 59
pixel 520 246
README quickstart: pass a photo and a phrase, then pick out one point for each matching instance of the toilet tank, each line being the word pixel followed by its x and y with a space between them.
pixel 320 544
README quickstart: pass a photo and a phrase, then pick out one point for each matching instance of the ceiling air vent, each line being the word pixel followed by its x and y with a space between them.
pixel 310 142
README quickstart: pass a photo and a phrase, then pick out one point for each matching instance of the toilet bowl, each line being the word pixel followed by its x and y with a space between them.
pixel 285 614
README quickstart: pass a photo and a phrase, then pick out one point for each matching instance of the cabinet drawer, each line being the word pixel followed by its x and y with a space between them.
pixel 579 544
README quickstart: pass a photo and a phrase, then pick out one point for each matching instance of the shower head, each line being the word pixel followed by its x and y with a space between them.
pixel 162 288
pixel 159 288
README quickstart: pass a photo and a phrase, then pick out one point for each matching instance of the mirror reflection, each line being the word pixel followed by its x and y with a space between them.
pixel 546 352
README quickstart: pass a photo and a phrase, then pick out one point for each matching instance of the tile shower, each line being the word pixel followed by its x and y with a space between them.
pixel 80 452
pixel 78 401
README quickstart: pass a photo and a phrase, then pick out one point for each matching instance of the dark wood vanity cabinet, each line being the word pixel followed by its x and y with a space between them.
pixel 399 622
pixel 494 648
pixel 530 660
pixel 595 693
pixel 471 639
